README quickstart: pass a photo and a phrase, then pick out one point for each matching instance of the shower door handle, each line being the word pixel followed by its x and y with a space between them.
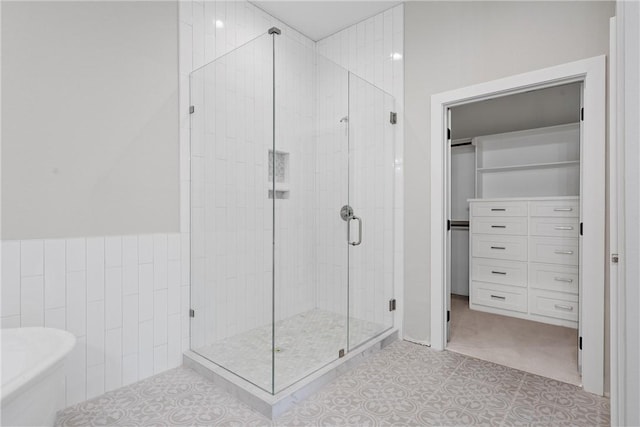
pixel 356 243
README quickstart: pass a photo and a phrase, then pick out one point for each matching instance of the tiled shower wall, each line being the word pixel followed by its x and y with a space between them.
pixel 373 50
pixel 232 216
pixel 125 298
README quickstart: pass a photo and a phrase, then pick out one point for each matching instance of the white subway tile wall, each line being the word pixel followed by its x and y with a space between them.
pixel 90 288
pixel 373 50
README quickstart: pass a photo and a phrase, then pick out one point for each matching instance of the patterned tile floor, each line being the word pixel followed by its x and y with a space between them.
pixel 404 384
pixel 304 343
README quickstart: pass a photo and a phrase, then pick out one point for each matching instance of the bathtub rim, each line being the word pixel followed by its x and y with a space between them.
pixel 64 345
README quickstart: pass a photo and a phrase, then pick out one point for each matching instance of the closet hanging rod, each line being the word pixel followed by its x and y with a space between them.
pixel 460 144
pixel 459 224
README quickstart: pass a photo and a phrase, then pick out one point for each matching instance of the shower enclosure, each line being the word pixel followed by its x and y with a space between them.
pixel 292 167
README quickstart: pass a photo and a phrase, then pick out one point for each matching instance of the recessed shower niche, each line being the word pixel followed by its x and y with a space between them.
pixel 278 174
pixel 286 293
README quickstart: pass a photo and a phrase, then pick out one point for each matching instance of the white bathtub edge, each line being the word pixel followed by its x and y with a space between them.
pixel 64 346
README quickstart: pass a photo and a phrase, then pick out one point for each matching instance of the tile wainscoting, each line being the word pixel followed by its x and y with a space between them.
pixel 125 298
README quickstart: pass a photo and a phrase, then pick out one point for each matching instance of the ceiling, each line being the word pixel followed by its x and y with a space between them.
pixel 552 106
pixel 319 19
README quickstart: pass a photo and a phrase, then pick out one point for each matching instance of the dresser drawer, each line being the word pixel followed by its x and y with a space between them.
pixel 498 208
pixel 554 227
pixel 499 296
pixel 553 304
pixel 555 208
pixel 513 273
pixel 501 225
pixel 554 277
pixel 500 247
pixel 553 250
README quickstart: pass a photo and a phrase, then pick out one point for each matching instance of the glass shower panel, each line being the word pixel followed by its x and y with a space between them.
pixel 231 213
pixel 311 173
pixel 371 195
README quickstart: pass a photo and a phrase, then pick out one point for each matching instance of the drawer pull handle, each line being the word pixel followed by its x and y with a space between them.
pixel 498 209
pixel 563 307
pixel 562 279
pixel 563 209
pixel 498 247
pixel 561 227
pixel 499 272
pixel 498 226
pixel 498 297
pixel 564 252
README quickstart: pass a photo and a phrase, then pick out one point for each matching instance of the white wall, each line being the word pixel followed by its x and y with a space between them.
pixel 628 136
pixel 456 44
pixel 90 135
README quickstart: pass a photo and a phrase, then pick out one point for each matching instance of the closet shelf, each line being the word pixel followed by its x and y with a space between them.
pixel 529 166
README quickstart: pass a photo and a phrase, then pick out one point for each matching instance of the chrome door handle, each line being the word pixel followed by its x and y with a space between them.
pixel 564 252
pixel 561 227
pixel 356 243
pixel 563 307
pixel 562 279
pixel 563 209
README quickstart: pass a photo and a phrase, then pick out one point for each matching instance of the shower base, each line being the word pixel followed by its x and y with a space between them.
pixel 305 358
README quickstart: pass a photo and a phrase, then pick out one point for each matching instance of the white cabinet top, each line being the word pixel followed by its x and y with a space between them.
pixel 519 199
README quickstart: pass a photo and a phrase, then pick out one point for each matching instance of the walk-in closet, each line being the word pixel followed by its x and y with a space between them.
pixel 514 247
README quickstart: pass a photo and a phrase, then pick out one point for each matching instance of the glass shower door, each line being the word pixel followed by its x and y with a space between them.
pixel 371 196
pixel 309 179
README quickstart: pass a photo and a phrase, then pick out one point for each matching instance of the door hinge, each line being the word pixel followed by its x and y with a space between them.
pixel 192 312
pixel 448 315
pixel 393 117
pixel 582 114
pixel 581 229
pixel 615 258
pixel 448 134
pixel 192 109
pixel 580 343
pixel 448 224
pixel 392 305
pixel 341 353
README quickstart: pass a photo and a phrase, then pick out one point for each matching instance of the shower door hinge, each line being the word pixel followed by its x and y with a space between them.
pixel 392 305
pixel 448 134
pixel 615 258
pixel 448 315
pixel 580 343
pixel 581 230
pixel 192 312
pixel 192 109
pixel 341 353
pixel 393 117
pixel 582 114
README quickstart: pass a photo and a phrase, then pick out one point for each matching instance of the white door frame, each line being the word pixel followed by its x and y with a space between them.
pixel 592 73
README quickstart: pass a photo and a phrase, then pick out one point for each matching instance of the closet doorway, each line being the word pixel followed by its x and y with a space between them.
pixel 513 235
pixel 536 213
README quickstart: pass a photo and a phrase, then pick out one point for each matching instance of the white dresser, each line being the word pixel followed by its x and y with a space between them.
pixel 524 258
